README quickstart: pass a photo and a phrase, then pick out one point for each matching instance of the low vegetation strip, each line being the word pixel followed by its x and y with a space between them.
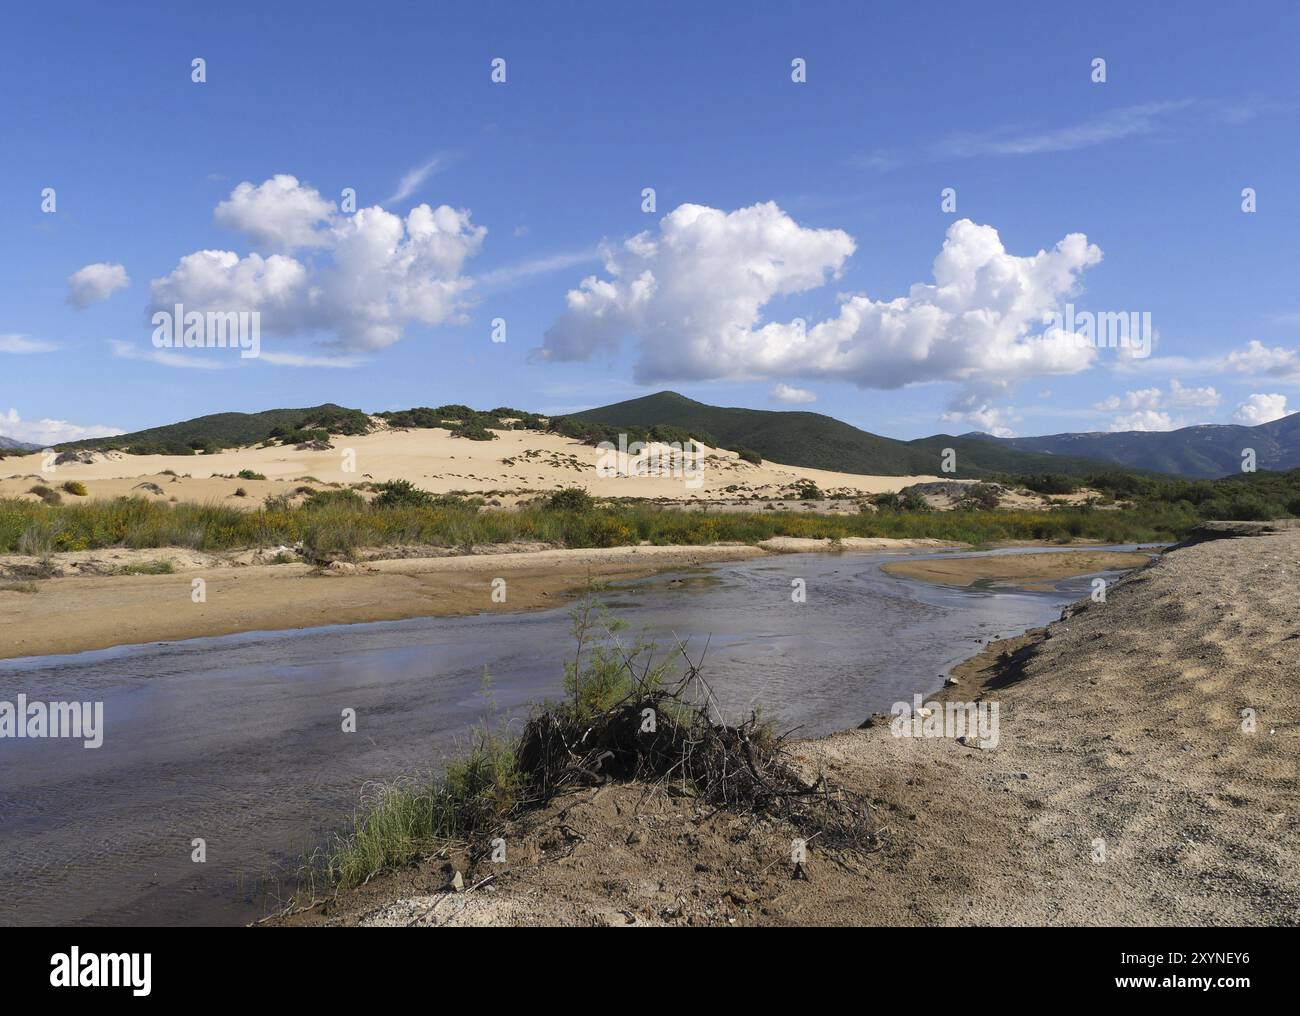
pixel 337 529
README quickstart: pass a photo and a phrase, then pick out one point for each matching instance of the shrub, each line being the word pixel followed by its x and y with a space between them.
pixel 346 498
pixel 474 430
pixel 163 567
pixel 248 474
pixel 570 499
pixel 1051 483
pixel 75 488
pixel 35 541
pixel 981 496
pixel 400 493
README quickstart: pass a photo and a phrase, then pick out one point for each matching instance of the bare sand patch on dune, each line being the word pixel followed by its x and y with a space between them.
pixel 519 463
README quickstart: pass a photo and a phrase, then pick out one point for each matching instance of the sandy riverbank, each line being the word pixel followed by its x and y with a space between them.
pixel 1124 789
pixel 1021 569
pixel 95 606
pixel 98 612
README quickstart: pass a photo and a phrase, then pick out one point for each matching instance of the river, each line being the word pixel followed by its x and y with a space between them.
pixel 238 740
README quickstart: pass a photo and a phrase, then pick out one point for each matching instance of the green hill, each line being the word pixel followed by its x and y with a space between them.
pixel 821 442
pixel 229 430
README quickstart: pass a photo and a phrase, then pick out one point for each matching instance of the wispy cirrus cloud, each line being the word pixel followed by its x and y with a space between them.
pixel 307 360
pixel 1121 123
pixel 14 343
pixel 180 358
pixel 1113 125
pixel 509 274
pixel 413 179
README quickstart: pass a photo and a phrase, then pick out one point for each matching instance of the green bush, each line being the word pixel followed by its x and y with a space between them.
pixel 474 430
pixel 570 499
pixel 981 496
pixel 1051 483
pixel 344 498
pixel 400 493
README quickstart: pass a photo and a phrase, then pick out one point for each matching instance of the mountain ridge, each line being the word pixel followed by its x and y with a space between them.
pixel 814 440
pixel 809 439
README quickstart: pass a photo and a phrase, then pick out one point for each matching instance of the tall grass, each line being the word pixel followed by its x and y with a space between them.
pixel 338 530
pixel 399 822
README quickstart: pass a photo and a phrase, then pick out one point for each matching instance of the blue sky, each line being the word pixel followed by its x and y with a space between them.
pixel 817 200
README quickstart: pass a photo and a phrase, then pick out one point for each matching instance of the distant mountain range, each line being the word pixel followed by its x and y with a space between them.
pixel 12 444
pixel 1208 450
pixel 811 439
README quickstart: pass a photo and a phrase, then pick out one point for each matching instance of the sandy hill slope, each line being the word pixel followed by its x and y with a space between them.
pixel 518 464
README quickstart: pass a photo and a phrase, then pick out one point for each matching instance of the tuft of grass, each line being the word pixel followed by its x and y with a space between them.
pixel 333 535
pixel 162 567
pixel 399 822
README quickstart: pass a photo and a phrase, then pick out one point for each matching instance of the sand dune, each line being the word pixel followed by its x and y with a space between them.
pixel 515 466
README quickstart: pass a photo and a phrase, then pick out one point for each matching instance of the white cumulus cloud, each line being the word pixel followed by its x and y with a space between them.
pixel 277 214
pixel 1259 409
pixel 1149 408
pixel 1259 360
pixel 693 295
pixel 1145 419
pixel 49 432
pixel 380 272
pixel 791 395
pixel 976 408
pixel 94 283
